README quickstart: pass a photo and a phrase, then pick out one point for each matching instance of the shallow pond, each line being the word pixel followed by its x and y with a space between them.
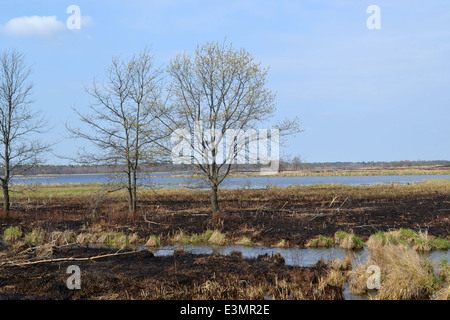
pixel 304 257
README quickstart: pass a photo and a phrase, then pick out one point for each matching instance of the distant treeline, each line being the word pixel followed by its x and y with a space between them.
pixel 291 164
pixel 295 164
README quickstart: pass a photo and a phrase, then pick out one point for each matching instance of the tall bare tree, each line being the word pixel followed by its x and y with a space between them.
pixel 120 124
pixel 20 150
pixel 217 91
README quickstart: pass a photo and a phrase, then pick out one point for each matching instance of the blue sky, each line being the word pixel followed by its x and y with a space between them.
pixel 360 94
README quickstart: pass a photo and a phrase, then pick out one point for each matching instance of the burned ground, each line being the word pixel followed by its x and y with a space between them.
pixel 265 216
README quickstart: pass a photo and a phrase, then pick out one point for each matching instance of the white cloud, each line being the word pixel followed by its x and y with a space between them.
pixel 34 26
pixel 41 26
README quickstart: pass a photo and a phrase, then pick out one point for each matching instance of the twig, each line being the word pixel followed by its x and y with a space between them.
pixel 343 203
pixel 333 201
pixel 367 225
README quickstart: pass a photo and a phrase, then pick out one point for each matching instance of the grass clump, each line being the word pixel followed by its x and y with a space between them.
pixel 320 242
pixel 422 245
pixel 419 241
pixel 444 270
pixel 12 234
pixel 444 293
pixel 439 244
pixel 35 237
pixel 245 241
pixel 408 234
pixel 404 275
pixel 153 241
pixel 59 238
pixel 202 237
pixel 117 240
pixel 376 240
pixel 282 244
pixel 209 236
pixel 348 241
pixel 181 238
pixel 217 238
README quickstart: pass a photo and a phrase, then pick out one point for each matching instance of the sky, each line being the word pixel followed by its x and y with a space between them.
pixel 361 94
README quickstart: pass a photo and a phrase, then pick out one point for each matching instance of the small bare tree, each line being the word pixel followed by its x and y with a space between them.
pixel 218 91
pixel 120 124
pixel 20 150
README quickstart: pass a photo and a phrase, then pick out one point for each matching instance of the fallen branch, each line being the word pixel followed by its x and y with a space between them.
pixel 24 263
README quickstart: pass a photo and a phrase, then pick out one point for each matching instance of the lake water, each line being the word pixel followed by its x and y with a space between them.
pixel 169 180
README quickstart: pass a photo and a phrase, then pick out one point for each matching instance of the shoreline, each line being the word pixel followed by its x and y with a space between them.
pixel 400 171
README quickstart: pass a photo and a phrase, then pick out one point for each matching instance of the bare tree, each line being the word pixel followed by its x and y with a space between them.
pixel 18 124
pixel 120 124
pixel 221 90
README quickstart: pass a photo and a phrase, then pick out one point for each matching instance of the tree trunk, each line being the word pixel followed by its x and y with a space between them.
pixel 6 198
pixel 214 201
pixel 134 193
pixel 5 181
pixel 130 194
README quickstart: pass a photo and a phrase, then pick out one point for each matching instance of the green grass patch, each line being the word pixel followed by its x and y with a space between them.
pixel 117 240
pixel 340 235
pixel 153 241
pixel 12 234
pixel 245 241
pixel 35 237
pixel 282 244
pixel 439 244
pixel 320 242
pixel 408 234
pixel 209 236
pixel 202 237
pixel 348 240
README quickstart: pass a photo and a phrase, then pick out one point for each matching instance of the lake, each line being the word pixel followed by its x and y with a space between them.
pixel 170 180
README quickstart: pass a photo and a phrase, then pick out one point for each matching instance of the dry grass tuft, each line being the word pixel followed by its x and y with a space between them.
pixel 404 275
pixel 342 265
pixel 217 238
pixel 282 244
pixel 153 241
pixel 44 251
pixel 59 238
pixel 443 294
pixel 348 241
pixel 334 278
pixel 244 241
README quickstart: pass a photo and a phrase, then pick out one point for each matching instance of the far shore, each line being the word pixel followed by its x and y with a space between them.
pixel 374 171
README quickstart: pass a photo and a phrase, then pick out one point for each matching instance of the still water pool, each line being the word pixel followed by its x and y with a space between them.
pixel 304 257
